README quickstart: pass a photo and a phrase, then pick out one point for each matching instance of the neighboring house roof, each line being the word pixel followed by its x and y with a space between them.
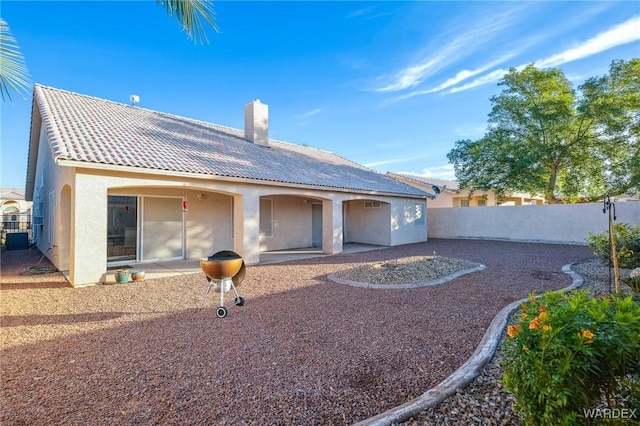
pixel 11 194
pixel 442 184
pixel 92 130
pixel 452 186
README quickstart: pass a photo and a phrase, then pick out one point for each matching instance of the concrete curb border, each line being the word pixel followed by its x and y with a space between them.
pixel 467 372
pixel 442 280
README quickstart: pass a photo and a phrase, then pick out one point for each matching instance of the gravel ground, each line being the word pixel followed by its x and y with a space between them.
pixel 302 351
pixel 484 401
pixel 408 270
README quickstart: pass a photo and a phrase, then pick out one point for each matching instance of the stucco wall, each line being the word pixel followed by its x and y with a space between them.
pixel 291 223
pixel 368 225
pixel 554 223
pixel 208 220
pixel 408 221
pixel 226 217
pixel 52 237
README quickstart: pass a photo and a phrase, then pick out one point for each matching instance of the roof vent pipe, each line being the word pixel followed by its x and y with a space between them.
pixel 256 123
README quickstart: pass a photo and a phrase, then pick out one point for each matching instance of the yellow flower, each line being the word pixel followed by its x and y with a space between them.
pixel 513 330
pixel 546 327
pixel 534 324
pixel 543 314
pixel 586 334
pixel 542 309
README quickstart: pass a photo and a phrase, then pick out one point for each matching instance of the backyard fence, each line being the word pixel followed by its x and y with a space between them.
pixel 16 231
pixel 547 223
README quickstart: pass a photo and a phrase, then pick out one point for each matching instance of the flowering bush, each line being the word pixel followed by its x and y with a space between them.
pixel 627 244
pixel 634 280
pixel 566 351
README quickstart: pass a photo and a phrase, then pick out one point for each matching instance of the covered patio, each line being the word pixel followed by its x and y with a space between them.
pixel 179 267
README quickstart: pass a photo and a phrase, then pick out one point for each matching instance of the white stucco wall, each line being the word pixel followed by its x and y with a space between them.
pixel 408 221
pixel 291 223
pixel 368 225
pixel 208 219
pixel 554 223
pixel 225 217
pixel 52 237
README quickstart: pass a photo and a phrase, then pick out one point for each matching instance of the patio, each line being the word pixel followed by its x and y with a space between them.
pixel 303 350
pixel 154 270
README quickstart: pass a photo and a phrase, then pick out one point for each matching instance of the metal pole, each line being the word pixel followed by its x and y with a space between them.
pixel 613 255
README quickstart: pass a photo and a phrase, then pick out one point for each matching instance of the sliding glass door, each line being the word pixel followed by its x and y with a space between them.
pixel 144 228
pixel 122 228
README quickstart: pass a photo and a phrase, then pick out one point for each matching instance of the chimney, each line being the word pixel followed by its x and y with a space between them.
pixel 256 123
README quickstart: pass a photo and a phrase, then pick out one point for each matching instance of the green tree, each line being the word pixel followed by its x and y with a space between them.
pixel 14 75
pixel 546 138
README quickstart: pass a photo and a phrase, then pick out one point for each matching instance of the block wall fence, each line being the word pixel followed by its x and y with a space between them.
pixel 547 223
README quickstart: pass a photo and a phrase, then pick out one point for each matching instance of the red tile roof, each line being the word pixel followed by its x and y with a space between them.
pixel 88 129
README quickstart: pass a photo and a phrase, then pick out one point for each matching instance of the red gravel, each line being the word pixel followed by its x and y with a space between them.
pixel 303 350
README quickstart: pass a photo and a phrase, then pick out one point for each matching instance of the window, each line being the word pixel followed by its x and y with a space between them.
pixel 372 204
pixel 482 202
pixel 420 216
pixel 37 212
pixel 266 217
pixel 464 202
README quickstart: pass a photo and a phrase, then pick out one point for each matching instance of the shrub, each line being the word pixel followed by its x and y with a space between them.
pixel 627 245
pixel 567 351
pixel 634 280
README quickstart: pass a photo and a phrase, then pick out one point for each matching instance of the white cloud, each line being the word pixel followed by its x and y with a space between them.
pixel 365 11
pixel 492 77
pixel 370 12
pixel 479 35
pixel 311 113
pixel 445 172
pixel 395 161
pixel 624 33
pixel 461 76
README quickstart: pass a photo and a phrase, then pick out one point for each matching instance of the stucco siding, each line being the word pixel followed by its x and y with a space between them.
pixel 291 223
pixel 368 225
pixel 408 221
pixel 53 234
pixel 555 223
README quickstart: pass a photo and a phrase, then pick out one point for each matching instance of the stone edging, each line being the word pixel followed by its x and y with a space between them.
pixel 437 281
pixel 467 372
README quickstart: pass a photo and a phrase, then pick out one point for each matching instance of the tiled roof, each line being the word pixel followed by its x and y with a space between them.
pixel 424 180
pixel 93 130
pixel 12 193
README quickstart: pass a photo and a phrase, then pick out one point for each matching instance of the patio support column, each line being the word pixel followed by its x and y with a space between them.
pixel 332 226
pixel 88 248
pixel 247 227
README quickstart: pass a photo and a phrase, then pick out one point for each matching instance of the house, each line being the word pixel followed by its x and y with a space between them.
pixel 449 194
pixel 115 184
pixel 16 217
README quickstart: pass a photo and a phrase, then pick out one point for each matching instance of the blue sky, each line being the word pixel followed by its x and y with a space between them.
pixel 391 85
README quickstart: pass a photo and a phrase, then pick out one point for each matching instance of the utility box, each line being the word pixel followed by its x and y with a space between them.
pixel 17 241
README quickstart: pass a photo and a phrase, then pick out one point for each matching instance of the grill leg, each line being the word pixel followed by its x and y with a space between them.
pixel 206 294
pixel 233 287
pixel 222 286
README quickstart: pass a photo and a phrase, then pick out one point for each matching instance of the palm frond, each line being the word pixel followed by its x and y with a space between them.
pixel 14 75
pixel 190 14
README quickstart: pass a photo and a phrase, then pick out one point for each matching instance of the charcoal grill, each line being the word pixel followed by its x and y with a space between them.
pixel 224 271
